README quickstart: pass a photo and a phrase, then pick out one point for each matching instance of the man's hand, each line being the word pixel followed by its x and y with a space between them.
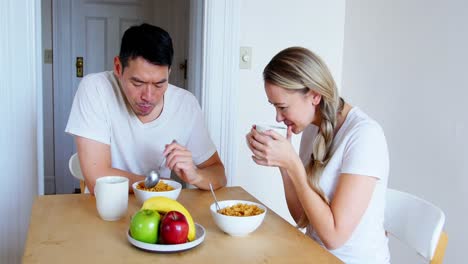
pixel 179 159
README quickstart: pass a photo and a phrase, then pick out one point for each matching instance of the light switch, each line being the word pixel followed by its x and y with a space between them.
pixel 245 60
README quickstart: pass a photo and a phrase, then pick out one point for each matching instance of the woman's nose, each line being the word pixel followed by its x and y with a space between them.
pixel 279 117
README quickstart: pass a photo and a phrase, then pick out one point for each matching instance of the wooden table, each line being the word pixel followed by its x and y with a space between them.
pixel 68 229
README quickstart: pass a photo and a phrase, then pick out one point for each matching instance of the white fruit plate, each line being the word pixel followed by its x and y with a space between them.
pixel 200 231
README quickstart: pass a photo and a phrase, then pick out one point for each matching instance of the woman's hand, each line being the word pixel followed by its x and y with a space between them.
pixel 271 149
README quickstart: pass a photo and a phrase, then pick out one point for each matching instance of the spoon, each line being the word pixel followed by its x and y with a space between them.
pixel 216 200
pixel 152 178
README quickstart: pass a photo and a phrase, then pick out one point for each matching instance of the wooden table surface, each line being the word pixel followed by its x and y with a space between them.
pixel 68 229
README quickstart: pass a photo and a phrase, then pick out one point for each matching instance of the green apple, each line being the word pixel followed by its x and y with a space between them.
pixel 145 225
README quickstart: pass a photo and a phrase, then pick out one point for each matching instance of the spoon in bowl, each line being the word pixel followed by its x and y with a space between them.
pixel 216 200
pixel 152 179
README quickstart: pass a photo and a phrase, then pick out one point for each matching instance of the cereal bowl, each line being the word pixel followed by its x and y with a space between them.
pixel 237 225
pixel 143 195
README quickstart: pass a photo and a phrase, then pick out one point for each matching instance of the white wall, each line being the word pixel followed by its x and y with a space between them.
pixel 20 87
pixel 268 27
pixel 405 64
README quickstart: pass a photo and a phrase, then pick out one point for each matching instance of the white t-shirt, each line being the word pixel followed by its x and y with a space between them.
pixel 359 148
pixel 99 113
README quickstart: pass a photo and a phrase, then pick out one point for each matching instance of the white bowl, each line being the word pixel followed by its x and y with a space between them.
pixel 142 195
pixel 237 225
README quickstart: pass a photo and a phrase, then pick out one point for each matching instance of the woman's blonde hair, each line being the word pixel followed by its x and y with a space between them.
pixel 298 68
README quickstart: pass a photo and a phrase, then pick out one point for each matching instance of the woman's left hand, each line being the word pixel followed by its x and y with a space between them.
pixel 270 148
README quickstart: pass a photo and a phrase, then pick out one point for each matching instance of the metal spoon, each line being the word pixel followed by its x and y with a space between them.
pixel 161 165
pixel 216 200
pixel 152 178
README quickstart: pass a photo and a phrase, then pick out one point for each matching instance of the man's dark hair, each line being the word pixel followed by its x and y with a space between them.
pixel 150 42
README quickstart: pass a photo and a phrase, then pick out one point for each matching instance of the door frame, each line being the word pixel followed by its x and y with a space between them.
pixel 63 70
pixel 213 44
pixel 220 79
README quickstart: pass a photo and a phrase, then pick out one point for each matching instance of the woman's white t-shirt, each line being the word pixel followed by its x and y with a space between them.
pixel 359 148
pixel 99 112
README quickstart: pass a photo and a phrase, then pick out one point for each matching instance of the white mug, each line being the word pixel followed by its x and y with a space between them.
pixel 278 129
pixel 111 197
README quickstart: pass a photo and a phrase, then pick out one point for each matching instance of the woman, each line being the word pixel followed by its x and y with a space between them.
pixel 336 186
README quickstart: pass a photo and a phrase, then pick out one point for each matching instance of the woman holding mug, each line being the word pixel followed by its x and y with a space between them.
pixel 335 187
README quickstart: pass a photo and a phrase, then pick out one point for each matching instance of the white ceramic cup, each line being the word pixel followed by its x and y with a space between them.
pixel 278 129
pixel 111 197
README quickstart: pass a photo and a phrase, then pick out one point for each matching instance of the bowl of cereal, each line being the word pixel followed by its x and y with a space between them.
pixel 165 187
pixel 238 217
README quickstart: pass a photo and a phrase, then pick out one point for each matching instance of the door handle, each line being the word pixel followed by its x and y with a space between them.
pixel 183 66
pixel 79 67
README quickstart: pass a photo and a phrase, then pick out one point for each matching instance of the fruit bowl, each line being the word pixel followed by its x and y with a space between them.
pixel 170 248
pixel 237 225
pixel 143 195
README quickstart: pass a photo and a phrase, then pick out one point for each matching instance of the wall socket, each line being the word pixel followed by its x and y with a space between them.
pixel 48 56
pixel 245 59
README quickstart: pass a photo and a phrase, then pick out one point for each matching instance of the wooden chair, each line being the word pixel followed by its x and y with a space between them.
pixel 75 170
pixel 417 223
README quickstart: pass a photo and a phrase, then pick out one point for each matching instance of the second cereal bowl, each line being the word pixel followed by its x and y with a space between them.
pixel 143 195
pixel 237 225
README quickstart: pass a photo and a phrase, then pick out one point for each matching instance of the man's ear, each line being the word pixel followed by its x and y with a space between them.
pixel 314 97
pixel 117 66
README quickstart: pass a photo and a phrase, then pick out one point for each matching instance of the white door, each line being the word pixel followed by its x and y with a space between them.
pixel 173 16
pixel 98 26
pixel 93 33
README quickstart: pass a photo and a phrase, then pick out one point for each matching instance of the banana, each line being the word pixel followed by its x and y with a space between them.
pixel 164 205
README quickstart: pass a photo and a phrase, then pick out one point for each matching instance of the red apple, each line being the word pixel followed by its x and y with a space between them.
pixel 173 228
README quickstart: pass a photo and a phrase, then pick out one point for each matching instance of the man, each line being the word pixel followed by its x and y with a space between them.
pixel 127 121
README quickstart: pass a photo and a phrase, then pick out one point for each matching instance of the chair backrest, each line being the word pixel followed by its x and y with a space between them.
pixel 416 223
pixel 75 170
pixel 74 166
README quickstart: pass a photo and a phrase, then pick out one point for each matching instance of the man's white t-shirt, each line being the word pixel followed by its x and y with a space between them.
pixel 99 112
pixel 359 148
